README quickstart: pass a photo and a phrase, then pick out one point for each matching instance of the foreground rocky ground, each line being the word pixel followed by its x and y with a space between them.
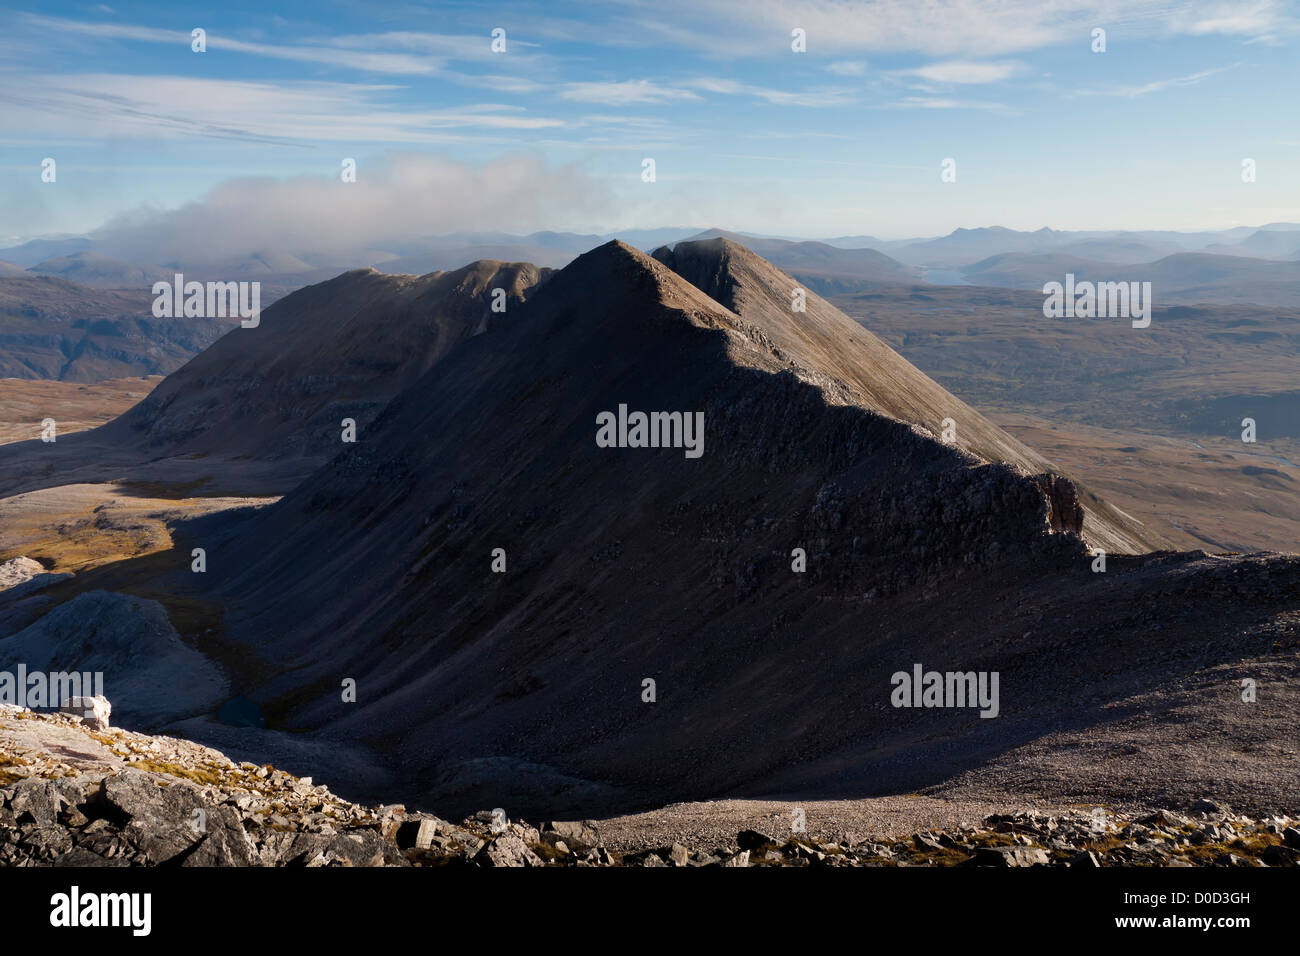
pixel 73 795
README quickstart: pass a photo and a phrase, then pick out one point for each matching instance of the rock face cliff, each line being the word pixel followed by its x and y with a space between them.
pixel 71 796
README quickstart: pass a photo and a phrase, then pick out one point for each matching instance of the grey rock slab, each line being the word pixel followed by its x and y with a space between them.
pixel 1010 856
pixel 507 850
pixel 581 835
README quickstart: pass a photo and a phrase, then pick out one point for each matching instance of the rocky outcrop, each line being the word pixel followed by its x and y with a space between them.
pixel 19 578
pixel 17 571
pixel 75 795
pixel 123 799
pixel 1064 509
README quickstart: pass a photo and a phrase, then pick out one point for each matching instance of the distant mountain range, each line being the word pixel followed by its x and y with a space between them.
pixel 963 247
pixel 96 269
pixel 64 327
pixel 36 251
pixel 1188 277
pixel 834 265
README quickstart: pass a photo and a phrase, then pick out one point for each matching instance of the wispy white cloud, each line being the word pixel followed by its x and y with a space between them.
pixel 166 107
pixel 626 119
pixel 398 195
pixel 405 64
pixel 502 84
pixel 969 30
pixel 452 46
pixel 1262 19
pixel 952 28
pixel 376 53
pixel 947 103
pixel 370 61
pixel 1156 86
pixel 964 71
pixel 777 97
pixel 54 26
pixel 624 93
pixel 848 67
pixel 839 27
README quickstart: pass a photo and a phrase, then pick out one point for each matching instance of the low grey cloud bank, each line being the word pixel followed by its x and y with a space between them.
pixel 403 195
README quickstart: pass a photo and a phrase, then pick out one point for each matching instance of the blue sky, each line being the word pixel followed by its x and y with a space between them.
pixel 844 139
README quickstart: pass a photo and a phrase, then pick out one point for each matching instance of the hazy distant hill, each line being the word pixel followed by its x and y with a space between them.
pixel 1264 243
pixel 1117 249
pixel 39 250
pixel 51 328
pixel 963 247
pixel 861 242
pixel 1189 277
pixel 548 249
pixel 254 265
pixel 839 265
pixel 96 269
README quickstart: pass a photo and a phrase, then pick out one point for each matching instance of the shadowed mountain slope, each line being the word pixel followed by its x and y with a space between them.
pixel 274 397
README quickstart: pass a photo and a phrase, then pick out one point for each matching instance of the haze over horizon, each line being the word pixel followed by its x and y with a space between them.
pixel 158 142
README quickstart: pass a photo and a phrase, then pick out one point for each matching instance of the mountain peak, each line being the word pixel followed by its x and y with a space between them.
pixel 853 366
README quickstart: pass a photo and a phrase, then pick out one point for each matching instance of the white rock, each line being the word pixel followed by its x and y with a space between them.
pixel 15 572
pixel 93 711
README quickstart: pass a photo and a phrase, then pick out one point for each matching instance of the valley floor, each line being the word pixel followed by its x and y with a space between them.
pixel 74 406
pixel 1198 491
